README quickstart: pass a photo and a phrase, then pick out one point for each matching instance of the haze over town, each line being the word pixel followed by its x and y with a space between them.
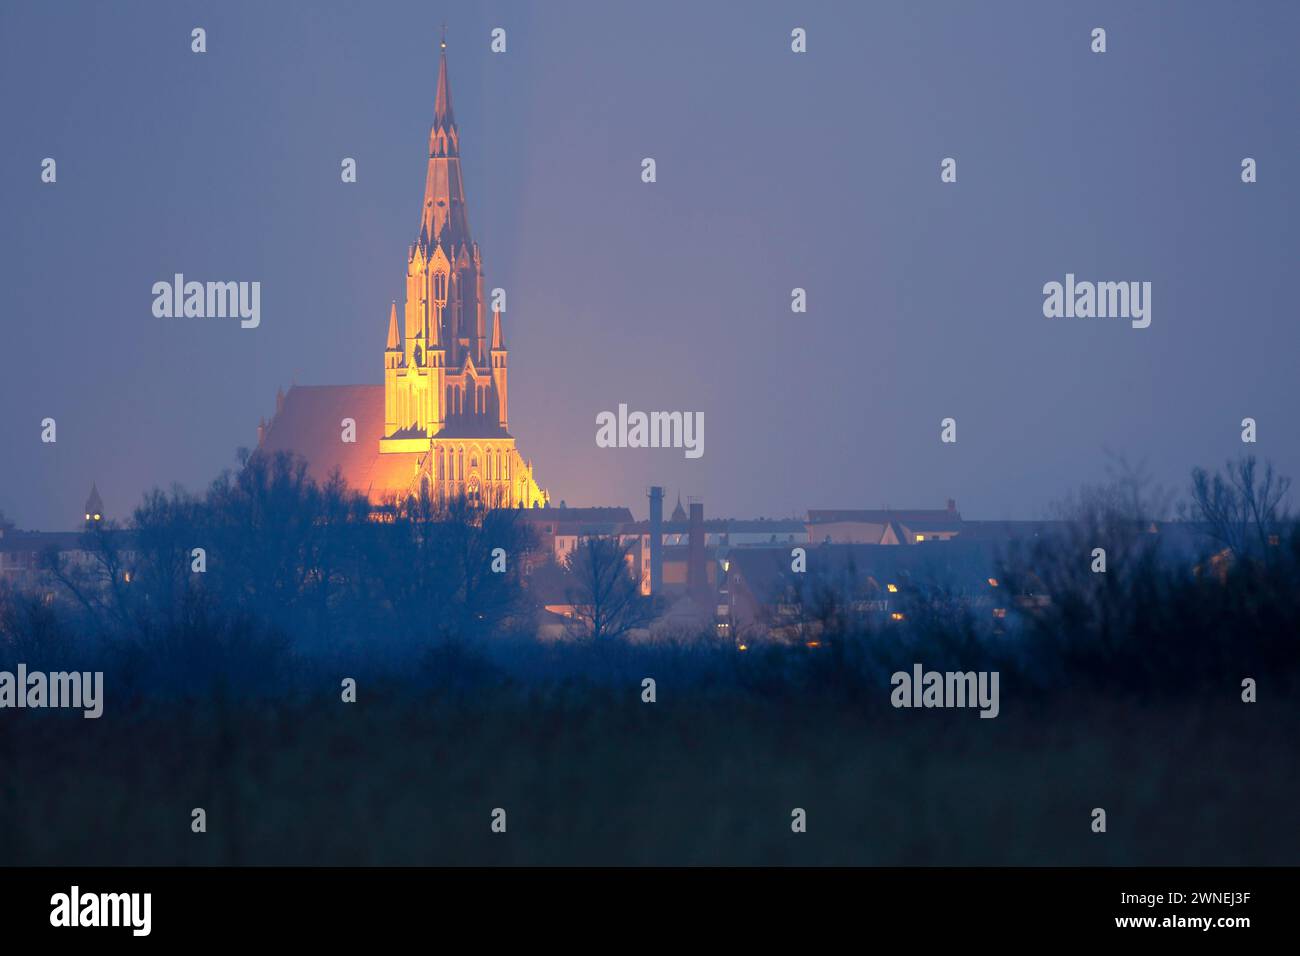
pixel 924 298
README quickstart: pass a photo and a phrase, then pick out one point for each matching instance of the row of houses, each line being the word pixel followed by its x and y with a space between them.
pixel 742 577
pixel 560 528
pixel 736 577
pixel 780 577
pixel 693 549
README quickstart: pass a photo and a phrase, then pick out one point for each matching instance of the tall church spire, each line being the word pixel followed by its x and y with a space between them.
pixel 449 385
pixel 442 112
pixel 443 218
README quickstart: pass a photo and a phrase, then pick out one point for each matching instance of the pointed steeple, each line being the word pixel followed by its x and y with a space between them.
pixel 498 332
pixel 443 116
pixel 443 217
pixel 394 341
pixel 94 504
pixel 679 513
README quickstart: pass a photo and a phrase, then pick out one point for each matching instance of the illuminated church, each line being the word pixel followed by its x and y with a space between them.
pixel 441 418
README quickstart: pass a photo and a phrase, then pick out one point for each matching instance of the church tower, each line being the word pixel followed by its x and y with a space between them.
pixel 445 387
pixel 94 506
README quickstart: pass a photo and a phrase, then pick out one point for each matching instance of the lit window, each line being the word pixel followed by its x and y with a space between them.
pixel 993 582
pixel 999 612
pixel 920 537
pixel 892 588
pixel 896 616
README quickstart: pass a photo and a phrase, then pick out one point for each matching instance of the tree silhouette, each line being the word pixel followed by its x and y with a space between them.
pixel 607 603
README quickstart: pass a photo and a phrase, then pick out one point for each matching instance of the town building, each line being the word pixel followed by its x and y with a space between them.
pixel 883 526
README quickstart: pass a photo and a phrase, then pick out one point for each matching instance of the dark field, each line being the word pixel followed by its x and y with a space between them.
pixel 591 775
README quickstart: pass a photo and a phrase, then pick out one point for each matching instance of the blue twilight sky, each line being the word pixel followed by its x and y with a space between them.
pixel 775 170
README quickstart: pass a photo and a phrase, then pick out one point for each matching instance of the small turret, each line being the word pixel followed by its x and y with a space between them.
pixel 498 333
pixel 394 340
pixel 500 369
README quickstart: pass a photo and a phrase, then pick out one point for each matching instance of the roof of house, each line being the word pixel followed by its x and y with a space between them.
pixel 767 572
pixel 727 526
pixel 577 516
pixel 1010 530
pixel 61 540
pixel 881 516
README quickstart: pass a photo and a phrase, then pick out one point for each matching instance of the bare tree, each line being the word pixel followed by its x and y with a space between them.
pixel 99 585
pixel 1242 509
pixel 607 603
pixel 810 606
pixel 1133 492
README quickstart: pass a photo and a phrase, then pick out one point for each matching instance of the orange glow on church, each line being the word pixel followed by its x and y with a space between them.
pixel 441 420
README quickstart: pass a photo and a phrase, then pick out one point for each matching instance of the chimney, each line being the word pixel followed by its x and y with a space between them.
pixel 656 539
pixel 952 505
pixel 696 580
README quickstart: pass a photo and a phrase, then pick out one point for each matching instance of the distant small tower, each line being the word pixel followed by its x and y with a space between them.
pixel 94 506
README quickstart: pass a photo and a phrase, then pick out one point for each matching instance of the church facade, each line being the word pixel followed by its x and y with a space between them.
pixel 440 421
